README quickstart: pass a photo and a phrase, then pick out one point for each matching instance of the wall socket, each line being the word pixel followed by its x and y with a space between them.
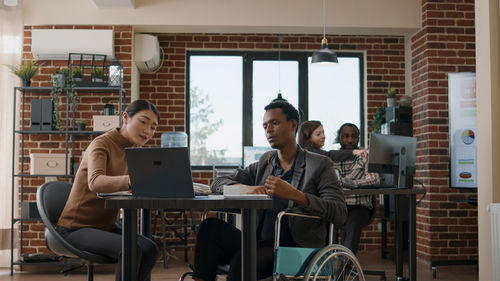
pixel 49 179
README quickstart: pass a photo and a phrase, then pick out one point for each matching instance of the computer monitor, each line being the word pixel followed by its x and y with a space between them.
pixel 390 154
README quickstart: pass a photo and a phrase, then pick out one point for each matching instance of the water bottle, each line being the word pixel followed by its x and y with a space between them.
pixel 174 139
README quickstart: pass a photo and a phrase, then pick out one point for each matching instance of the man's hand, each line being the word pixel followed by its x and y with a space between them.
pixel 282 189
pixel 360 152
pixel 258 189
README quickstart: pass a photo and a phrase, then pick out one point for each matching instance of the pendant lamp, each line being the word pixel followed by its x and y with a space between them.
pixel 324 55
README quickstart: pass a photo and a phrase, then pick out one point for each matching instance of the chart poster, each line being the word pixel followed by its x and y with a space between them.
pixel 463 129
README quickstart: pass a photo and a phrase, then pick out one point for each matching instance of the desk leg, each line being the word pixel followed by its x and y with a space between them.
pixel 412 244
pixel 129 245
pixel 398 237
pixel 248 245
pixel 146 226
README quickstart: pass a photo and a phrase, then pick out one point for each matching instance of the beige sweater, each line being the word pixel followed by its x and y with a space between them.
pixel 103 169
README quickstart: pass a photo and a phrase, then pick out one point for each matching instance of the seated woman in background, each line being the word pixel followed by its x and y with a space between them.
pixel 85 222
pixel 312 137
pixel 353 173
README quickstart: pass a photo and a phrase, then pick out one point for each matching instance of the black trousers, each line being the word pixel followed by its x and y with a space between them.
pixel 357 218
pixel 109 243
pixel 219 243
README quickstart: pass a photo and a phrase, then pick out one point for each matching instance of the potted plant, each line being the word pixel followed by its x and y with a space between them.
pixel 80 124
pixel 58 79
pixel 98 75
pixel 27 70
pixel 62 84
pixel 391 97
pixel 378 120
pixel 76 73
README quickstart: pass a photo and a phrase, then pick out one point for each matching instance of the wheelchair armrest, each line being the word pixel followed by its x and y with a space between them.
pixel 277 226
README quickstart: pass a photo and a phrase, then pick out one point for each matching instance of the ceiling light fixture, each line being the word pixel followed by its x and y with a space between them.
pixel 324 55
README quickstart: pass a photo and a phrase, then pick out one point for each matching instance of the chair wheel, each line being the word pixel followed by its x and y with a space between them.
pixel 334 262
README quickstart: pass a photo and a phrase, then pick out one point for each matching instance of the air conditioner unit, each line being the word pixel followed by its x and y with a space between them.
pixel 56 44
pixel 146 52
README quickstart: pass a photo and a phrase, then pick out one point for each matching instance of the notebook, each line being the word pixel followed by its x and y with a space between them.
pixel 160 172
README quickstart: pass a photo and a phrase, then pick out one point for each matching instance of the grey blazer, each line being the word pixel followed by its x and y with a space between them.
pixel 315 176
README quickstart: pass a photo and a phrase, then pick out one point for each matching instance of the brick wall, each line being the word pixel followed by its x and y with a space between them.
pixel 446 229
pixel 90 103
pixel 166 88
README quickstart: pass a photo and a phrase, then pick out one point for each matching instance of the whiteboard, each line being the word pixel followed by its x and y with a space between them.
pixel 462 129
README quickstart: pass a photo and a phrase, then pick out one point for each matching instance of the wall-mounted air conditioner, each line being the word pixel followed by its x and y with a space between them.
pixel 146 52
pixel 56 44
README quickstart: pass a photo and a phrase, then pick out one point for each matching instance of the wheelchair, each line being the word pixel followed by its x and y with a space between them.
pixel 333 262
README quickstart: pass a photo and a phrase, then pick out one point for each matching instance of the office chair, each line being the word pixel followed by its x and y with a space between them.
pixel 50 200
pixel 178 219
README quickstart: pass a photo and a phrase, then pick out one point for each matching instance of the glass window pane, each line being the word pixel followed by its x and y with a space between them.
pixel 216 92
pixel 334 96
pixel 266 86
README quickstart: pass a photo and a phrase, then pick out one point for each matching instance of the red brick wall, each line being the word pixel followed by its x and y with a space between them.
pixel 446 229
pixel 90 103
pixel 166 88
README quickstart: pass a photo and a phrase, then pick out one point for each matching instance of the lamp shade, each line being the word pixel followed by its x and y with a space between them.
pixel 324 55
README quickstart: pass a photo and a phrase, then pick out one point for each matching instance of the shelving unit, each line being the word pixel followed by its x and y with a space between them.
pixel 69 140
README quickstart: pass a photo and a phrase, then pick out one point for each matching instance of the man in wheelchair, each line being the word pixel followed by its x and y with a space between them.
pixel 295 179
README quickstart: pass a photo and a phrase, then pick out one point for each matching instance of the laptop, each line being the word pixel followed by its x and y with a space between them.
pixel 160 172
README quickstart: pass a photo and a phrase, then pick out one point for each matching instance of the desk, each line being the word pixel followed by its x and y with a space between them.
pixel 398 231
pixel 130 206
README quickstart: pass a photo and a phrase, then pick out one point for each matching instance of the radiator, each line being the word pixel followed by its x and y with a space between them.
pixel 495 239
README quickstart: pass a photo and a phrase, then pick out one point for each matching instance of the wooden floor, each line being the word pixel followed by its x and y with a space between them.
pixel 369 261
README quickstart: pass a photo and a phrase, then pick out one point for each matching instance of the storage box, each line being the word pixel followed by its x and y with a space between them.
pixel 105 122
pixel 48 164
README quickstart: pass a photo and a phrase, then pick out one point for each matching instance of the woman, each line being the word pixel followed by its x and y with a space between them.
pixel 312 138
pixel 85 222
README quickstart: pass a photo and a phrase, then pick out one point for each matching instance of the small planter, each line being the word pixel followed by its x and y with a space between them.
pixel 97 80
pixel 58 80
pixel 77 79
pixel 391 102
pixel 26 83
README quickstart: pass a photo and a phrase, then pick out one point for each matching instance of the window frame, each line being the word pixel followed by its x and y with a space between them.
pixel 248 57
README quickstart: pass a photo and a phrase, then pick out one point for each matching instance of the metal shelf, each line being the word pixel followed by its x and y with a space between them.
pixel 34 176
pixel 14 220
pixel 44 89
pixel 69 136
pixel 70 132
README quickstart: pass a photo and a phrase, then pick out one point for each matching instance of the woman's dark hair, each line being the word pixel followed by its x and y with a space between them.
pixel 339 132
pixel 305 132
pixel 139 105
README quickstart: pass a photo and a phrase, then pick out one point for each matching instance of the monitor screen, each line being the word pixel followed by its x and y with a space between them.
pixel 388 152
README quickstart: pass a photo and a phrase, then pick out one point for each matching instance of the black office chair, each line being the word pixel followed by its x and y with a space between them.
pixel 50 200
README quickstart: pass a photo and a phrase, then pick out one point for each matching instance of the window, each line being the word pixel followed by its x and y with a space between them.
pixel 228 92
pixel 215 119
pixel 334 97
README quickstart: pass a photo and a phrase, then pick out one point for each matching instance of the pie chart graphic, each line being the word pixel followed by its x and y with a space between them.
pixel 467 136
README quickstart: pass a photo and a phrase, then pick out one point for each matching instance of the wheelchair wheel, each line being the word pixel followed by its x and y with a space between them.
pixel 335 263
